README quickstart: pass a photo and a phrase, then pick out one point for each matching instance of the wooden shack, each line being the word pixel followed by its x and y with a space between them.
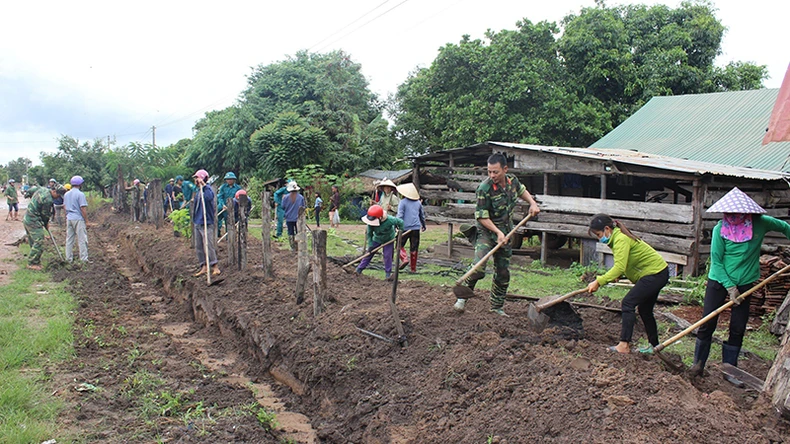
pixel 662 199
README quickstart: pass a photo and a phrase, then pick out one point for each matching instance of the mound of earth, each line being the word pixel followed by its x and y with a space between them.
pixel 467 378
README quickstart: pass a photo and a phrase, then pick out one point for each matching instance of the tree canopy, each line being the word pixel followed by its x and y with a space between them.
pixel 533 85
pixel 309 108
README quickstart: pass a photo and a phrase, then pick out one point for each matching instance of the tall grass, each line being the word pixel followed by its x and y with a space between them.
pixel 35 331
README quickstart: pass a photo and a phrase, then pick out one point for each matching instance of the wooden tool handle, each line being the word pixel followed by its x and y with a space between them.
pixel 373 251
pixel 552 302
pixel 493 250
pixel 707 318
pixel 205 236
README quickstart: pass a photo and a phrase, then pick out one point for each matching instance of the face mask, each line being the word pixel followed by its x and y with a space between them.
pixel 604 239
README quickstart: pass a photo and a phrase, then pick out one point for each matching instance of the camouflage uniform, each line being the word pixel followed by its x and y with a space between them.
pixel 36 220
pixel 495 203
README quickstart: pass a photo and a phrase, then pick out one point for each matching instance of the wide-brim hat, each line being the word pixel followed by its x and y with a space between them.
pixel 292 186
pixel 736 201
pixel 386 183
pixel 372 221
pixel 409 191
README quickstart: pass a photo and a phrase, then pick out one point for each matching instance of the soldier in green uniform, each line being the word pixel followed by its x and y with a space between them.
pixel 496 199
pixel 12 199
pixel 226 191
pixel 36 222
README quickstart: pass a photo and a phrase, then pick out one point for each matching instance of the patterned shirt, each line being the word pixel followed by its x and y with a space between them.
pixel 497 203
pixel 39 210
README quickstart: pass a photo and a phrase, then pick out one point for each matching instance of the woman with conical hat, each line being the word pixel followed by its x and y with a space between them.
pixel 413 215
pixel 734 269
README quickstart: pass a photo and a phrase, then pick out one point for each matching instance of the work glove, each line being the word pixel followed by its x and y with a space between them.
pixel 734 293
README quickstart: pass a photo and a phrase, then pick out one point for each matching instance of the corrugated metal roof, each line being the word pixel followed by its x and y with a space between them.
pixel 653 161
pixel 725 128
pixel 382 174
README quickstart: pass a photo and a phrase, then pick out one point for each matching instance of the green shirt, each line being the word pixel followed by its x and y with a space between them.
pixel 632 258
pixel 11 195
pixel 384 232
pixel 39 209
pixel 226 191
pixel 734 263
pixel 497 203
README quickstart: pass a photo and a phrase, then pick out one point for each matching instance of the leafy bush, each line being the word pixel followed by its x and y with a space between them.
pixel 181 222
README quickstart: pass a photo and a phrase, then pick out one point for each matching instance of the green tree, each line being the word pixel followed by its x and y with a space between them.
pixel 287 141
pixel 529 85
pixel 327 91
pixel 18 168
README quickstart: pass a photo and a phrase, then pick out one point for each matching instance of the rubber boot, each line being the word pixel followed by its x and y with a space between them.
pixel 701 353
pixel 413 261
pixel 729 355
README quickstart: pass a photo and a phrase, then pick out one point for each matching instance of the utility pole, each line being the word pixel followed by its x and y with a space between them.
pixel 108 142
pixel 153 133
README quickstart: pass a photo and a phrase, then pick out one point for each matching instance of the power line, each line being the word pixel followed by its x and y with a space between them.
pixel 360 27
pixel 348 25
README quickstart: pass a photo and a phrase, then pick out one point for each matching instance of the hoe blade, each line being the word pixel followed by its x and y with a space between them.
pixel 536 319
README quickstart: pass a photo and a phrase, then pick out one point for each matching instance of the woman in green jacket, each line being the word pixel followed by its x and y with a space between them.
pixel 640 263
pixel 734 268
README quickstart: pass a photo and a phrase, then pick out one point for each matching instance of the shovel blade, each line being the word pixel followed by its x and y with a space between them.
pixel 536 319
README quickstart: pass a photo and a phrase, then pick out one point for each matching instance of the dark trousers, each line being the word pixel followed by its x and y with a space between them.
pixel 643 296
pixel 715 296
pixel 414 240
pixel 318 217
pixel 291 228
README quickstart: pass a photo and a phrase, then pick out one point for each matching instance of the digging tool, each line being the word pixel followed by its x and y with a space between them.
pixel 537 319
pixel 464 292
pixel 205 242
pixel 373 251
pixel 57 248
pixel 715 313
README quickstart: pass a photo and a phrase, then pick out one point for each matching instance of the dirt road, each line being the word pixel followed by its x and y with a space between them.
pixel 10 232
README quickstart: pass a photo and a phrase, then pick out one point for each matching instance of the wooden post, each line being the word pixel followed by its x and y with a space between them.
pixel 394 308
pixel 603 186
pixel 415 175
pixel 544 237
pixel 449 240
pixel 136 209
pixel 215 238
pixel 156 206
pixel 303 258
pixel 192 225
pixel 119 197
pixel 697 208
pixel 319 271
pixel 242 233
pixel 777 384
pixel 266 235
pixel 233 238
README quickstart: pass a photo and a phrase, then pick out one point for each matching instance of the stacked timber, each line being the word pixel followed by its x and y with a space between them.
pixel 770 297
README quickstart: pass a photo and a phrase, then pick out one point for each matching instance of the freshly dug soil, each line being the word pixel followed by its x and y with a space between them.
pixel 464 378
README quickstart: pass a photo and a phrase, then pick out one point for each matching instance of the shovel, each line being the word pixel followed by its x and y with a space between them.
pixel 52 238
pixel 657 349
pixel 372 252
pixel 537 319
pixel 464 292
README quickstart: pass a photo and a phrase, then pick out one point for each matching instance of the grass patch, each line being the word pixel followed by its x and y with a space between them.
pixel 35 331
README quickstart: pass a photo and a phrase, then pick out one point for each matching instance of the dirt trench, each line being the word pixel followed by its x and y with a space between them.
pixel 464 378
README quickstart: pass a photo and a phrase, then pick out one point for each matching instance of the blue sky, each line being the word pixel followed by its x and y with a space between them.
pixel 95 68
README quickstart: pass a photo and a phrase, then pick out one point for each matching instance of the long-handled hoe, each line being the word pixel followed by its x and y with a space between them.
pixel 205 243
pixel 657 349
pixel 462 291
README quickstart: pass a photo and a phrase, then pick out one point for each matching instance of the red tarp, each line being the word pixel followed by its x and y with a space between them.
pixel 779 125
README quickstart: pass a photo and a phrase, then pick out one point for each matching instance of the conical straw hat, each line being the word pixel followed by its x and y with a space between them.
pixel 385 183
pixel 409 191
pixel 736 201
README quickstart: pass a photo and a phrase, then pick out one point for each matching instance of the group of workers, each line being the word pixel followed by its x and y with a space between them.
pixel 44 202
pixel 735 242
pixel 734 269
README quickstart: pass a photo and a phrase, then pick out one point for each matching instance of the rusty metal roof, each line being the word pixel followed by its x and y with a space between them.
pixel 725 128
pixel 629 157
